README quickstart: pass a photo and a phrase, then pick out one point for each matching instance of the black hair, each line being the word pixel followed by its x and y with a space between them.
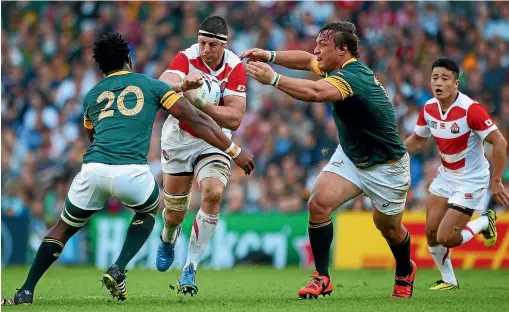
pixel 344 33
pixel 447 64
pixel 214 24
pixel 110 52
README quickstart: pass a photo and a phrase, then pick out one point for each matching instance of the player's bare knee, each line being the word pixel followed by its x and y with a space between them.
pixel 318 208
pixel 173 218
pixel 390 233
pixel 445 239
pixel 212 194
pixel 431 234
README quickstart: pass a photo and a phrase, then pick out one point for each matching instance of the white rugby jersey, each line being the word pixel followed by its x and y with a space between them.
pixel 459 134
pixel 231 75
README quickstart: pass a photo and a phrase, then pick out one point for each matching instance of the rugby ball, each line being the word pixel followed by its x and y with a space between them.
pixel 208 93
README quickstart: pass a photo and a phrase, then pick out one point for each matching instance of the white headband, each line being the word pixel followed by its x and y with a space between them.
pixel 222 38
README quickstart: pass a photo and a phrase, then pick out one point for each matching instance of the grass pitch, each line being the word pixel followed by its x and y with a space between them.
pixel 256 289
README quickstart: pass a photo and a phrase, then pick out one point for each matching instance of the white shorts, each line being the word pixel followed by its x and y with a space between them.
pixel 469 196
pixel 180 154
pixel 133 185
pixel 386 184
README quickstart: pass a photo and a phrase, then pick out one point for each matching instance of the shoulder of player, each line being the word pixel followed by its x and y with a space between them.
pixel 231 58
pixel 467 103
pixel 192 52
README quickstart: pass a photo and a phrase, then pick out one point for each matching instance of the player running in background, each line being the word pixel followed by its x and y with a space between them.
pixel 185 156
pixel 459 126
pixel 371 158
pixel 118 116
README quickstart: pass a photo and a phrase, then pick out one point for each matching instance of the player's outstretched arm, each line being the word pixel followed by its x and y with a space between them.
pixel 414 143
pixel 300 89
pixel 293 59
pixel 229 115
pixel 205 128
pixel 499 160
pixel 191 81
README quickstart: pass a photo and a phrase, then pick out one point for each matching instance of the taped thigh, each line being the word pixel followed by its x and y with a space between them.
pixel 216 166
pixel 177 202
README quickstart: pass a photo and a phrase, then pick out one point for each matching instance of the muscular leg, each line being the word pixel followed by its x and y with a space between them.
pixel 398 239
pixel 455 228
pixel 330 191
pixel 206 219
pixel 54 242
pixel 436 208
pixel 176 188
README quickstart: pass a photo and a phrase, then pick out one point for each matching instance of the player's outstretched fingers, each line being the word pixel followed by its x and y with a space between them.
pixel 504 198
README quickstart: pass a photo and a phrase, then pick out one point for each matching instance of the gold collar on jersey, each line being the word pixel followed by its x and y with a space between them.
pixel 117 73
pixel 353 59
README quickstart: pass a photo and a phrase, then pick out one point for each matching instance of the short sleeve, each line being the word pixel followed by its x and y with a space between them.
pixel 316 70
pixel 422 128
pixel 179 65
pixel 338 80
pixel 87 121
pixel 166 95
pixel 480 121
pixel 237 81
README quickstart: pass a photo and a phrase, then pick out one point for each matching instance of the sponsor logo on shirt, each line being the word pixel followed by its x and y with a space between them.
pixel 455 128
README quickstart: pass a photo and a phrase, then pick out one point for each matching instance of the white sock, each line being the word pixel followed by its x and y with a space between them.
pixel 474 227
pixel 169 231
pixel 442 257
pixel 203 227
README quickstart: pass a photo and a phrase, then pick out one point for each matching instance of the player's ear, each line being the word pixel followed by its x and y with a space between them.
pixel 129 61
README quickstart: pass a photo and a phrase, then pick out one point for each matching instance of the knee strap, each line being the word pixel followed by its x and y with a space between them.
pixel 216 166
pixel 177 202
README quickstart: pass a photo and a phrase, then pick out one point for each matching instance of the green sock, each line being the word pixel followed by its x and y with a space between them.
pixel 48 252
pixel 137 234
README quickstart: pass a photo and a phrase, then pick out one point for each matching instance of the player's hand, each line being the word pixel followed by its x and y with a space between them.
pixel 192 81
pixel 256 55
pixel 262 72
pixel 194 97
pixel 499 194
pixel 245 161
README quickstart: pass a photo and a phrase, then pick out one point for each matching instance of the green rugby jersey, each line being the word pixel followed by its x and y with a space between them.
pixel 122 108
pixel 364 117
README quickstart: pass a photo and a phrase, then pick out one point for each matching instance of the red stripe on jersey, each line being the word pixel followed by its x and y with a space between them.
pixel 455 165
pixel 421 121
pixel 187 129
pixel 455 113
pixel 478 118
pixel 454 145
pixel 198 64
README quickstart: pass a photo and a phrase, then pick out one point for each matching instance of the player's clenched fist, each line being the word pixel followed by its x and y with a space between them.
pixel 256 55
pixel 262 72
pixel 192 81
pixel 245 161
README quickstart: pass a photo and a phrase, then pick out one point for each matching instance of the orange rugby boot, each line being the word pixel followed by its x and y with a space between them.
pixel 404 286
pixel 319 285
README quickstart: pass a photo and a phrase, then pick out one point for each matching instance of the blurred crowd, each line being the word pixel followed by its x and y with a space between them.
pixel 47 68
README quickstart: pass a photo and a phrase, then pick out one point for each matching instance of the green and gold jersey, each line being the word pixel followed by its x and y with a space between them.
pixel 364 117
pixel 122 108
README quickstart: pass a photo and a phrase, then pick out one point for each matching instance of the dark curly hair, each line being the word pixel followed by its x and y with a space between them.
pixel 344 33
pixel 110 52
